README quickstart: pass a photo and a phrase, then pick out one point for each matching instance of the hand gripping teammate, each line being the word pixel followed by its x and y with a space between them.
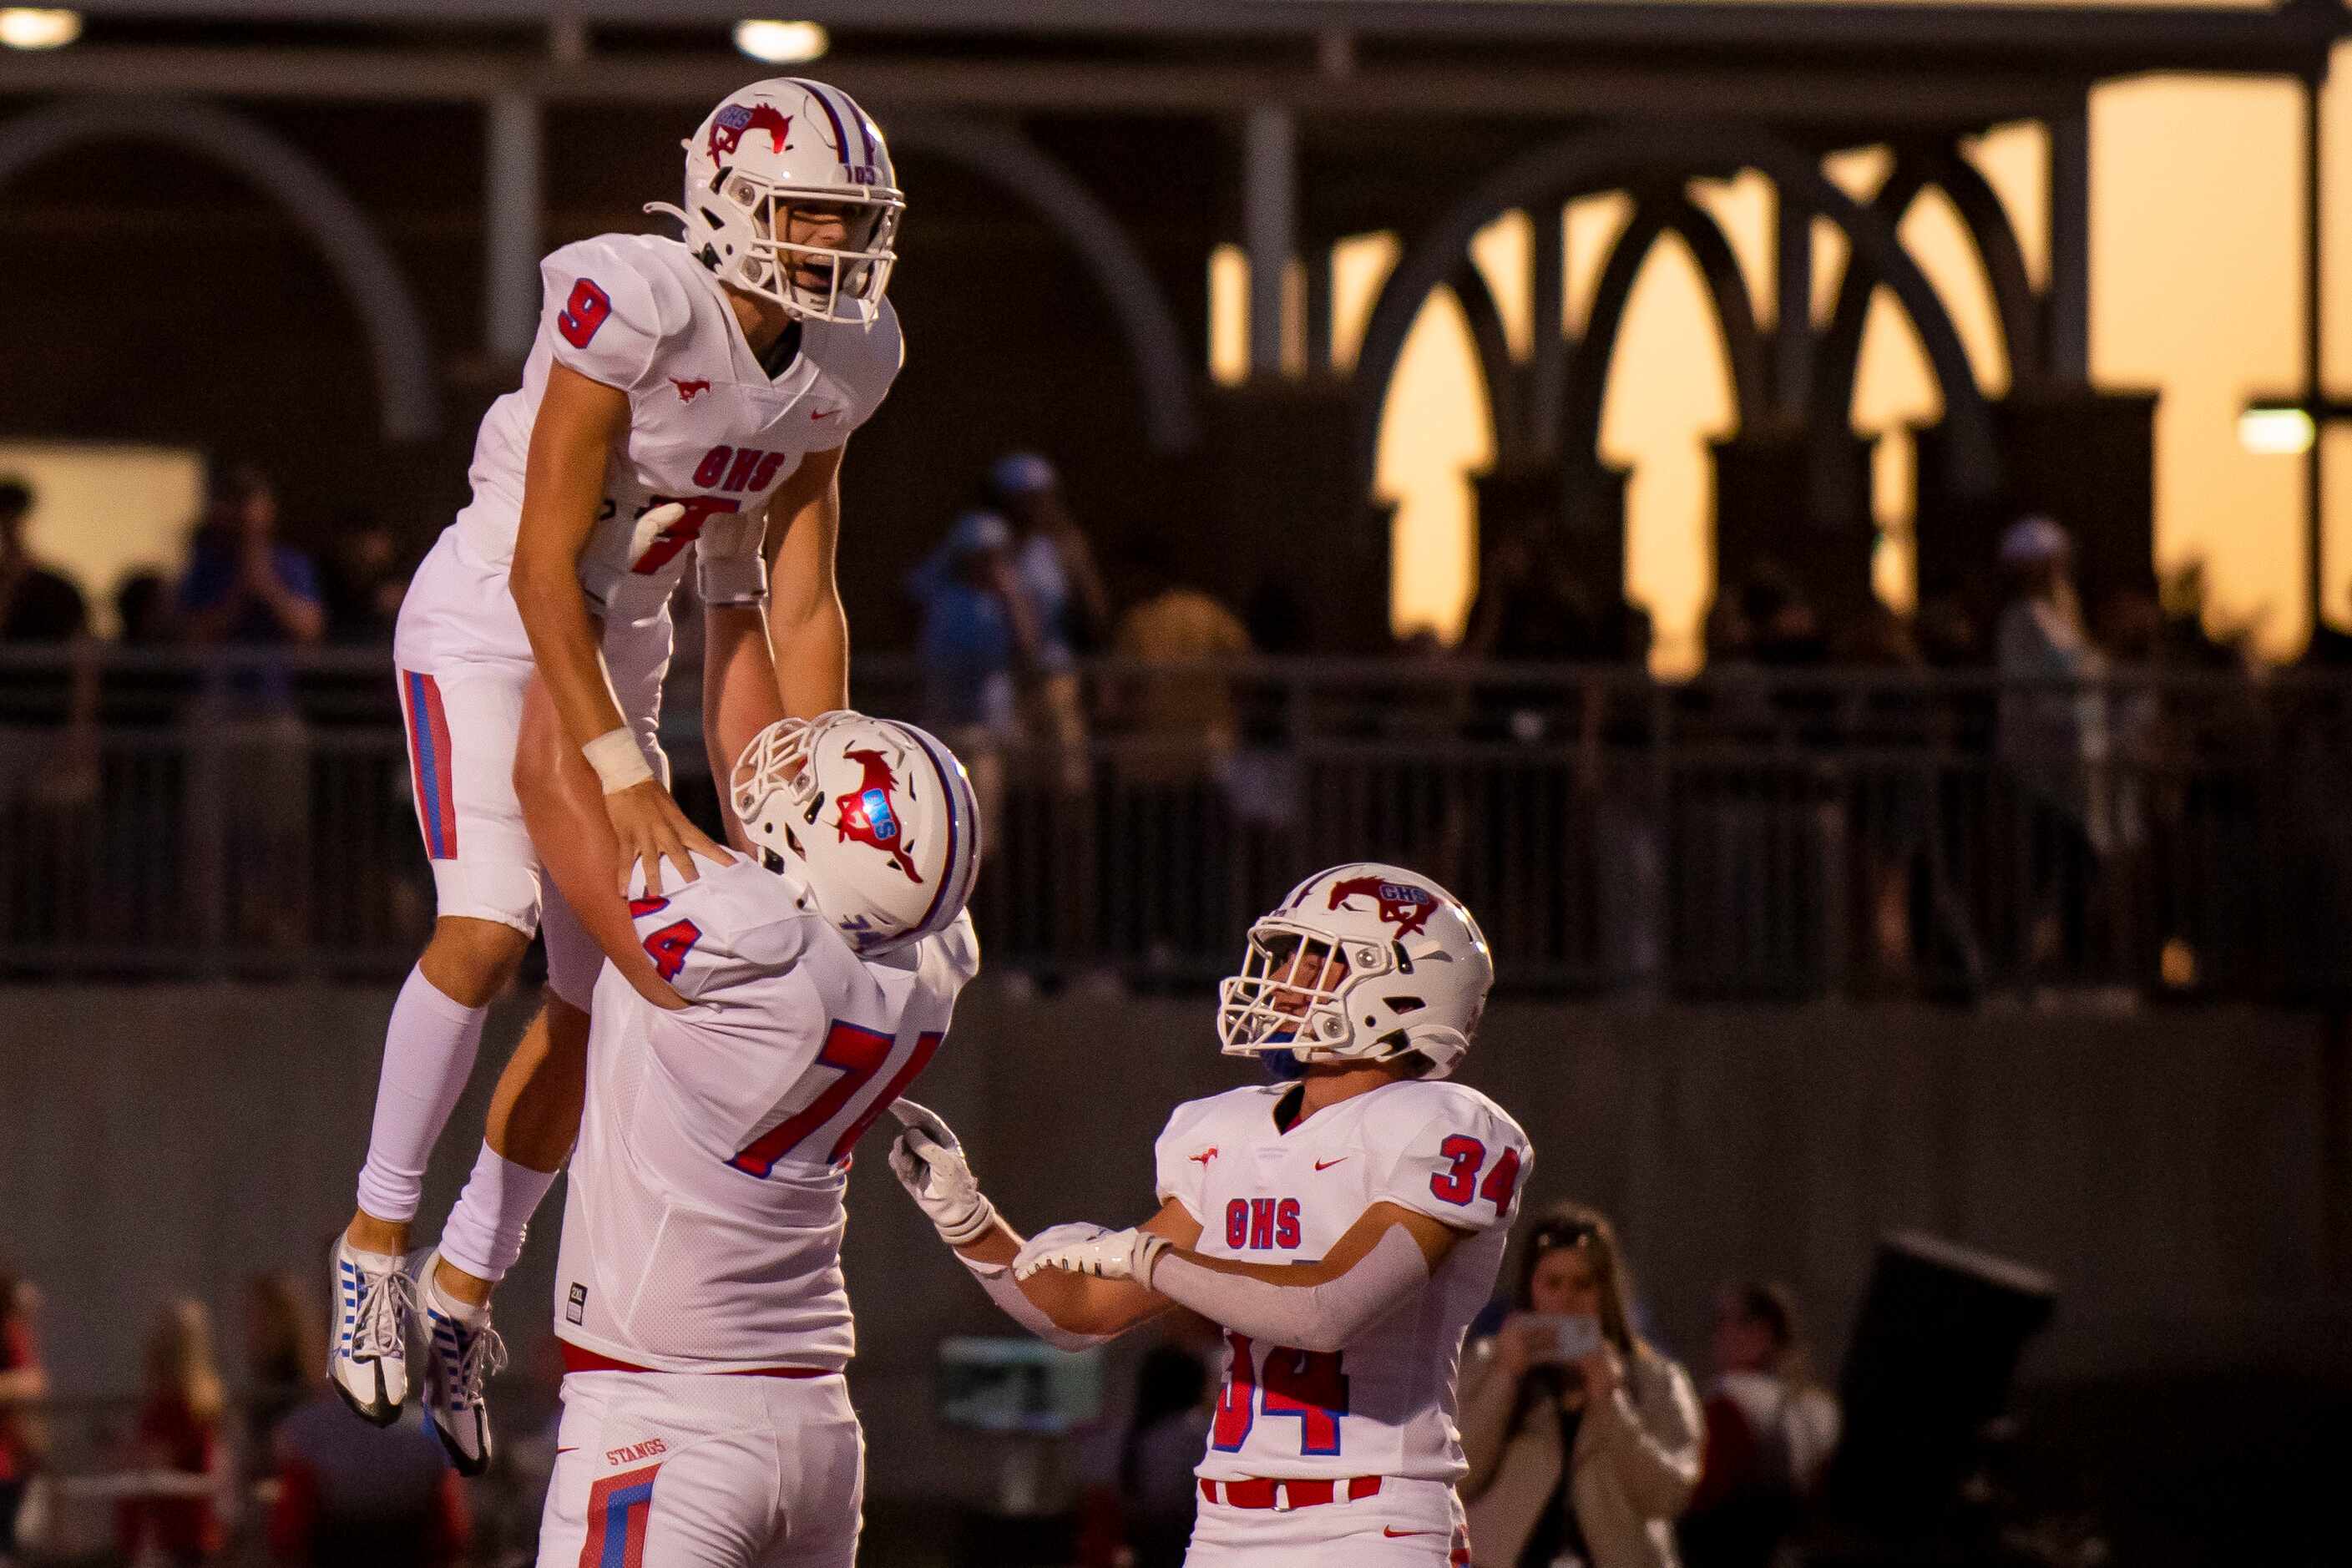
pixel 1343 1227
pixel 683 403
pixel 698 1298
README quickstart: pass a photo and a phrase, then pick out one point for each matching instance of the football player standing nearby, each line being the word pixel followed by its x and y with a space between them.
pixel 1343 1227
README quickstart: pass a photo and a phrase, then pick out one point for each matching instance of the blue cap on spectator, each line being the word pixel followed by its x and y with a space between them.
pixel 976 533
pixel 2033 541
pixel 1017 475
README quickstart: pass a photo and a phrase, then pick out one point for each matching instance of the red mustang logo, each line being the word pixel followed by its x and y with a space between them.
pixel 1204 1156
pixel 1402 905
pixel 869 816
pixel 729 125
pixel 687 391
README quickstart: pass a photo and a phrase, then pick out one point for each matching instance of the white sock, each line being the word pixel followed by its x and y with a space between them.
pixel 485 1233
pixel 428 1054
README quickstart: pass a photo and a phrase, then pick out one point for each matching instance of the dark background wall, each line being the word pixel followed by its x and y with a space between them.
pixel 2167 1169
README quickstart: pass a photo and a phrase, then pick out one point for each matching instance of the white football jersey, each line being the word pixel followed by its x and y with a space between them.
pixel 707 427
pixel 1384 1404
pixel 703 1218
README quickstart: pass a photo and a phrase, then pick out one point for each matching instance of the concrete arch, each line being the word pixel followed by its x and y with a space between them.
pixel 1006 157
pixel 1837 353
pixel 1600 159
pixel 1490 338
pixel 1654 216
pixel 406 394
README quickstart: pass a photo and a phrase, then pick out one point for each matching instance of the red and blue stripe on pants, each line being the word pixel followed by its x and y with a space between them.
pixel 428 759
pixel 618 1507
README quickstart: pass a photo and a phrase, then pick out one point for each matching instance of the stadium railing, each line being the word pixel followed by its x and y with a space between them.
pixel 1750 833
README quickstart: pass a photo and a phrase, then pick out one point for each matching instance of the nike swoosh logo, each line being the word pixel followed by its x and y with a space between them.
pixel 1393 1534
pixel 1325 1166
pixel 825 414
pixel 574 1450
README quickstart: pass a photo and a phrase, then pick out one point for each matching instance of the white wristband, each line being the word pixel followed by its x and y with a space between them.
pixel 618 763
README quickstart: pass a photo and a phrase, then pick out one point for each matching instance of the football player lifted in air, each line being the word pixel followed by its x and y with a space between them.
pixel 703 1218
pixel 1343 1227
pixel 684 403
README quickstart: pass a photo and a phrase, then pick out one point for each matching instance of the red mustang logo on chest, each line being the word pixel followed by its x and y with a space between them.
pixel 1402 905
pixel 687 391
pixel 1204 1156
pixel 870 816
pixel 730 125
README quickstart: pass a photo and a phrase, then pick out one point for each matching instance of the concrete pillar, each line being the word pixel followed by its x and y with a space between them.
pixel 1269 226
pixel 2314 486
pixel 1317 324
pixel 1549 343
pixel 513 225
pixel 2069 299
pixel 1792 331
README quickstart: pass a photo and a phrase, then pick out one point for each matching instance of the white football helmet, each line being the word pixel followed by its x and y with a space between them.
pixel 876 817
pixel 770 145
pixel 1415 976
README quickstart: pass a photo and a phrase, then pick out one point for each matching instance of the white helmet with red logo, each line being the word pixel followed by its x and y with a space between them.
pixel 1415 976
pixel 876 817
pixel 780 142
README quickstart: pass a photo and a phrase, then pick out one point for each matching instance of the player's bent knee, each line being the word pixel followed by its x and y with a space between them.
pixel 471 960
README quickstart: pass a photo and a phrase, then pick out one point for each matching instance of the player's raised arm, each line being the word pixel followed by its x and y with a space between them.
pixel 580 421
pixel 1063 1308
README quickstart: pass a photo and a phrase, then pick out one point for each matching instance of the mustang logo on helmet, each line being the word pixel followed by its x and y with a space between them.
pixel 728 126
pixel 868 816
pixel 1402 905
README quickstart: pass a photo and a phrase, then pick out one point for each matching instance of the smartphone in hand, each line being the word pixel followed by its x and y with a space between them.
pixel 1562 1337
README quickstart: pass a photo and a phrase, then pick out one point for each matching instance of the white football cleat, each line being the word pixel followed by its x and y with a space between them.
pixel 367 1332
pixel 462 1353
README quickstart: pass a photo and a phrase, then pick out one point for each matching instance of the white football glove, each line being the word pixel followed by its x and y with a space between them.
pixel 929 1162
pixel 649 529
pixel 1112 1255
pixel 730 569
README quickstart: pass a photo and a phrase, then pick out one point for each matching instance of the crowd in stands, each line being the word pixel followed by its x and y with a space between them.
pixel 279 1474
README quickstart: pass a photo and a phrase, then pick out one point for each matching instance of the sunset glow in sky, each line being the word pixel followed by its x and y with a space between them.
pixel 2195 236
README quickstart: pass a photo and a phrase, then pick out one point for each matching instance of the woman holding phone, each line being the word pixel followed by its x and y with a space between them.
pixel 1583 1440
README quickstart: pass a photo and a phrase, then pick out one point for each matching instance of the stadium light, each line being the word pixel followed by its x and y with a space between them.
pixel 783 43
pixel 2283 423
pixel 39 28
pixel 2275 428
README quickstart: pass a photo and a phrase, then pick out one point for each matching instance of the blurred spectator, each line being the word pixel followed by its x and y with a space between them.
pixel 363 584
pixel 2052 735
pixel 22 1384
pixel 281 1360
pixel 977 633
pixel 1529 606
pixel 1769 1430
pixel 36 604
pixel 180 1462
pixel 351 1495
pixel 1583 1457
pixel 1069 606
pixel 1164 1445
pixel 242 587
pixel 142 610
pixel 39 608
pixel 1188 717
pixel 1784 630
